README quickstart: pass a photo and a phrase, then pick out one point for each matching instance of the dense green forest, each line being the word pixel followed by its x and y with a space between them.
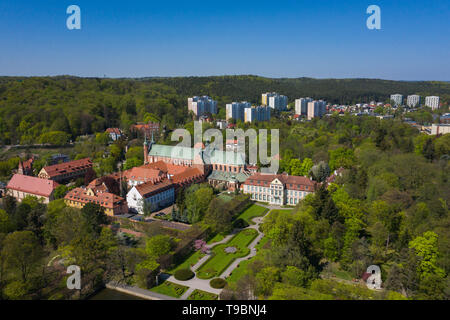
pixel 58 109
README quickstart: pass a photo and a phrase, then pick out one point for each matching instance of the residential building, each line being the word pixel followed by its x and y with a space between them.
pixel 274 100
pixel 145 129
pixel 301 105
pixel 221 124
pixel 21 186
pixel 413 101
pixel 278 189
pixel 202 105
pixel 59 158
pixel 257 114
pixel 236 110
pixel 113 204
pixel 439 129
pixel 154 196
pixel 114 133
pixel 432 102
pixel 397 98
pixel 66 171
pixel 316 109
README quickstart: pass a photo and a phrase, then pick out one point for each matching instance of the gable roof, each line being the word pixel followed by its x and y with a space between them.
pixel 32 185
pixel 291 182
pixel 143 174
pixel 104 199
pixel 68 167
pixel 148 189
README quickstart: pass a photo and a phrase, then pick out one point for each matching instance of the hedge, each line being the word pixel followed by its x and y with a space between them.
pixel 184 274
pixel 217 283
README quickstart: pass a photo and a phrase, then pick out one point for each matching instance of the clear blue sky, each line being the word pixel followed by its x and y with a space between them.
pixel 285 38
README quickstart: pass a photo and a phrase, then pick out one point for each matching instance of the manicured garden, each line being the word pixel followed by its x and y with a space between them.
pixel 170 289
pixel 252 212
pixel 214 266
pixel 188 263
pixel 202 295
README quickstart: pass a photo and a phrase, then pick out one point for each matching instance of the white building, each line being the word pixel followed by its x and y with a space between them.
pixel 278 189
pixel 432 102
pixel 236 110
pixel 397 98
pixel 274 100
pixel 155 196
pixel 438 129
pixel 301 105
pixel 316 109
pixel 202 105
pixel 413 101
pixel 256 114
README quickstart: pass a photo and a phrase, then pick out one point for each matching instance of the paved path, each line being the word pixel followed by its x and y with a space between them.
pixel 138 292
pixel 201 284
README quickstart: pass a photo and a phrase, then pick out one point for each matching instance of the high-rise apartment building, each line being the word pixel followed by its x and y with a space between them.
pixel 397 98
pixel 274 100
pixel 301 105
pixel 255 114
pixel 235 110
pixel 202 105
pixel 316 109
pixel 432 102
pixel 413 101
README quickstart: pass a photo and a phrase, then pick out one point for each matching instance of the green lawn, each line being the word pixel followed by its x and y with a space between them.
pixel 186 264
pixel 252 212
pixel 226 197
pixel 239 272
pixel 202 295
pixel 170 289
pixel 214 266
pixel 217 238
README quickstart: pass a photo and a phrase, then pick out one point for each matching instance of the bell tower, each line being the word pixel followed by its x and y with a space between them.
pixel 145 150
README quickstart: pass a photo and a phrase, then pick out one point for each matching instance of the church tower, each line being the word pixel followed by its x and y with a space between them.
pixel 145 150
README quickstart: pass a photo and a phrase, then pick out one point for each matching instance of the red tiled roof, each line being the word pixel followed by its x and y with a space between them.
pixel 32 185
pixel 143 174
pixel 171 169
pixel 291 182
pixel 104 199
pixel 148 189
pixel 114 130
pixel 68 167
pixel 188 175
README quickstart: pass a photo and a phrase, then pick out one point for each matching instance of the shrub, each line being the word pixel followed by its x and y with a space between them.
pixel 240 224
pixel 184 274
pixel 217 283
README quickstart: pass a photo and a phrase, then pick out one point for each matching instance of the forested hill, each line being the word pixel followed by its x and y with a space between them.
pixel 32 109
pixel 341 91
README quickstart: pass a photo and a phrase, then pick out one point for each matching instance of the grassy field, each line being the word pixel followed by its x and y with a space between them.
pixel 252 212
pixel 214 266
pixel 202 295
pixel 170 289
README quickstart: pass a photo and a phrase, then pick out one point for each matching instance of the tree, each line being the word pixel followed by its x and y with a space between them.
pixel 426 248
pixel 158 246
pixel 218 216
pixel 266 279
pixel 95 216
pixel 320 172
pixel 341 157
pixel 22 252
pixel 60 192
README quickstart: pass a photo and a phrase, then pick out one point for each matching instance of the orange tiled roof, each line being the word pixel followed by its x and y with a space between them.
pixel 188 175
pixel 114 130
pixel 143 174
pixel 68 167
pixel 32 185
pixel 148 189
pixel 104 199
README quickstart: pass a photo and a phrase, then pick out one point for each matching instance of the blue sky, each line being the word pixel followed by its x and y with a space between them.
pixel 315 38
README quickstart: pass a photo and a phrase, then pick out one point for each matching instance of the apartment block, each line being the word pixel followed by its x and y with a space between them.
pixel 432 102
pixel 202 105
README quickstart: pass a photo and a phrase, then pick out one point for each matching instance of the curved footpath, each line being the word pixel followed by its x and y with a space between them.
pixel 197 283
